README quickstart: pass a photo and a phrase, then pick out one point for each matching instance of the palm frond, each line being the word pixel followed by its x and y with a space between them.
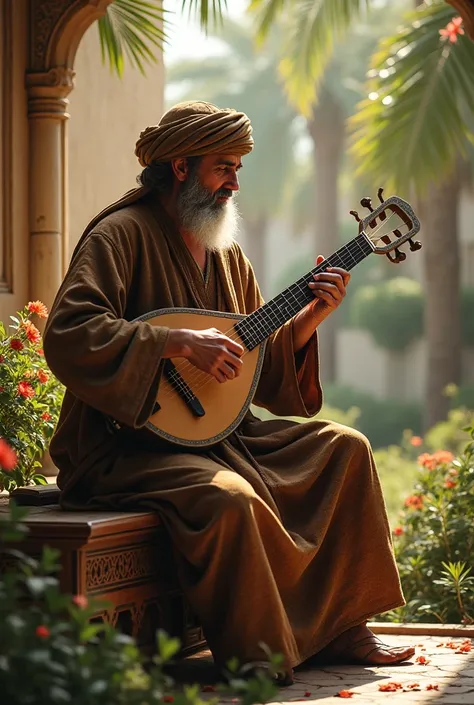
pixel 133 28
pixel 205 9
pixel 412 127
pixel 314 27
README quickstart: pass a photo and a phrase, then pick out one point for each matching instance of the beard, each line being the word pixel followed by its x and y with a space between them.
pixel 214 224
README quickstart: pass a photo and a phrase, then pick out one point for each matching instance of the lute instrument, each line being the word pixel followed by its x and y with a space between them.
pixel 192 408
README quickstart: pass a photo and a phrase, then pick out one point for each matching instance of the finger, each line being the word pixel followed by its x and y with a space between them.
pixel 331 280
pixel 233 346
pixel 220 376
pixel 332 298
pixel 228 370
pixel 234 362
pixel 336 289
pixel 342 272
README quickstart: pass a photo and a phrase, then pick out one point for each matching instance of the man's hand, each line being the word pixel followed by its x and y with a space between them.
pixel 329 288
pixel 209 350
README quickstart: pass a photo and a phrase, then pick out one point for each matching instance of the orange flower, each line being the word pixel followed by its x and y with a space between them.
pixel 413 686
pixel 416 441
pixel 26 390
pixel 414 501
pixel 40 351
pixel 443 457
pixel 80 601
pixel 42 376
pixel 39 308
pixel 423 660
pixel 427 461
pixel 449 484
pixel 465 647
pixel 7 456
pixel 452 30
pixel 398 531
pixel 32 333
pixel 390 687
pixel 45 416
pixel 16 344
pixel 345 694
pixel 432 686
pixel 42 631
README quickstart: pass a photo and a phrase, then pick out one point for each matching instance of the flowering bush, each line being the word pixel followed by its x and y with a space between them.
pixel 50 652
pixel 30 400
pixel 434 541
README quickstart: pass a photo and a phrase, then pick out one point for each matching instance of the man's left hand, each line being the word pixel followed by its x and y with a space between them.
pixel 329 289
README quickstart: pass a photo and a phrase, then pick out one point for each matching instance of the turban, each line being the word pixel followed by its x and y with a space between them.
pixel 192 129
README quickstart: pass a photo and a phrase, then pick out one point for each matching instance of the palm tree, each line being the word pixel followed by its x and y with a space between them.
pixel 247 78
pixel 416 129
pixel 417 126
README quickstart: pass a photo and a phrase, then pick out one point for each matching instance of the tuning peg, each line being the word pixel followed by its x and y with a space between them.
pixel 356 215
pixel 380 196
pixel 399 256
pixel 414 245
pixel 367 203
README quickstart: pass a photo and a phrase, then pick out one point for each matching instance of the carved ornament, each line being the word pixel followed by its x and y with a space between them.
pixel 120 567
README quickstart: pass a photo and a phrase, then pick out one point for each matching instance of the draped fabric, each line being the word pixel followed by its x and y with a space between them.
pixel 280 531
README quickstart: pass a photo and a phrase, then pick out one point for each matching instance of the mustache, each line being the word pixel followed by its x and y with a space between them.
pixel 223 193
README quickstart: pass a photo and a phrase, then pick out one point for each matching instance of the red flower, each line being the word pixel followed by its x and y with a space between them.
pixel 168 699
pixel 32 333
pixel 2 389
pixel 390 687
pixel 2 359
pixel 449 484
pixel 42 376
pixel 80 601
pixel 42 631
pixel 423 660
pixel 39 308
pixel 307 694
pixel 45 416
pixel 452 30
pixel 16 344
pixel 40 351
pixel 7 456
pixel 416 441
pixel 415 501
pixel 345 694
pixel 398 531
pixel 413 686
pixel 26 390
pixel 432 686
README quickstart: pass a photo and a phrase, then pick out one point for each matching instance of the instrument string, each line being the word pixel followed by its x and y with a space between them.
pixel 201 378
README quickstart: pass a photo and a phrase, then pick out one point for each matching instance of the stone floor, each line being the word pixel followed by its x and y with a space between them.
pixel 441 672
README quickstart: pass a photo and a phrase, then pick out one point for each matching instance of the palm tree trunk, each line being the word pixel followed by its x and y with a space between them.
pixel 327 129
pixel 255 231
pixel 442 323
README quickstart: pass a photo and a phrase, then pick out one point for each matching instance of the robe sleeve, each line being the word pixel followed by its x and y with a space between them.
pixel 289 384
pixel 110 363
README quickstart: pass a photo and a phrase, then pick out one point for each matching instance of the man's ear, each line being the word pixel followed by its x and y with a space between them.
pixel 180 168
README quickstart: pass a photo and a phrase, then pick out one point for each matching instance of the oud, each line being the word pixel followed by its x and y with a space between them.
pixel 192 408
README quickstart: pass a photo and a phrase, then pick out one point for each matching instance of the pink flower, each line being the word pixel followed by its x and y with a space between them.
pixel 452 30
pixel 80 601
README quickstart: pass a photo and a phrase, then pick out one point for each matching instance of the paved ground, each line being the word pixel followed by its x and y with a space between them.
pixel 441 672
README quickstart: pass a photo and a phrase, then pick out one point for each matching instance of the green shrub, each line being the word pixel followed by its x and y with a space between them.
pixel 435 538
pixel 382 421
pixel 51 653
pixel 397 472
pixel 391 311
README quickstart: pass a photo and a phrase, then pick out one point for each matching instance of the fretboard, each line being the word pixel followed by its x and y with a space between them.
pixel 260 324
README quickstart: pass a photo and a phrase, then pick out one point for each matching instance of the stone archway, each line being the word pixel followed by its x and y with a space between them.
pixel 56 28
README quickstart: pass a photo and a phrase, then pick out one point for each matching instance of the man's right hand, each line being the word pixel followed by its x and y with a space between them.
pixel 209 350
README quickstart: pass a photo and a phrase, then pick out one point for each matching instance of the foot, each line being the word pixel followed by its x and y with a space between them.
pixel 361 646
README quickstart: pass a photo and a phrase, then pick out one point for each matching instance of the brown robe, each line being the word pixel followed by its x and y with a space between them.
pixel 280 531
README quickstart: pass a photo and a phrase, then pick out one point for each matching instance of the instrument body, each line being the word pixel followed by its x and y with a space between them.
pixel 225 405
pixel 193 409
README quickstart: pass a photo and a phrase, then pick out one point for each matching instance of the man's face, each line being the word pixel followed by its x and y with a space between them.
pixel 205 206
pixel 218 174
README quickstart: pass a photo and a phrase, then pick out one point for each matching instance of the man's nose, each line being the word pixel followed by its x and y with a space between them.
pixel 232 183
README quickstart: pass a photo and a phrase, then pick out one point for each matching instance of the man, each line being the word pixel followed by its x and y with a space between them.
pixel 280 530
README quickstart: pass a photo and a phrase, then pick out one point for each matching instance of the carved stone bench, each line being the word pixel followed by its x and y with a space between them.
pixel 123 558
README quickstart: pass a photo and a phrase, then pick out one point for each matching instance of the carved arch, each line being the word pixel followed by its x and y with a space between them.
pixel 56 29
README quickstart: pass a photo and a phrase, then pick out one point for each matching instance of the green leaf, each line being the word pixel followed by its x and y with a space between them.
pixel 412 128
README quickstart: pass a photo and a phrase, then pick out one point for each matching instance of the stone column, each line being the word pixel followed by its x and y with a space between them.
pixel 47 115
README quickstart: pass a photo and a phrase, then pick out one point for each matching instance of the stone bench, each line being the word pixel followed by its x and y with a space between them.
pixel 123 558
